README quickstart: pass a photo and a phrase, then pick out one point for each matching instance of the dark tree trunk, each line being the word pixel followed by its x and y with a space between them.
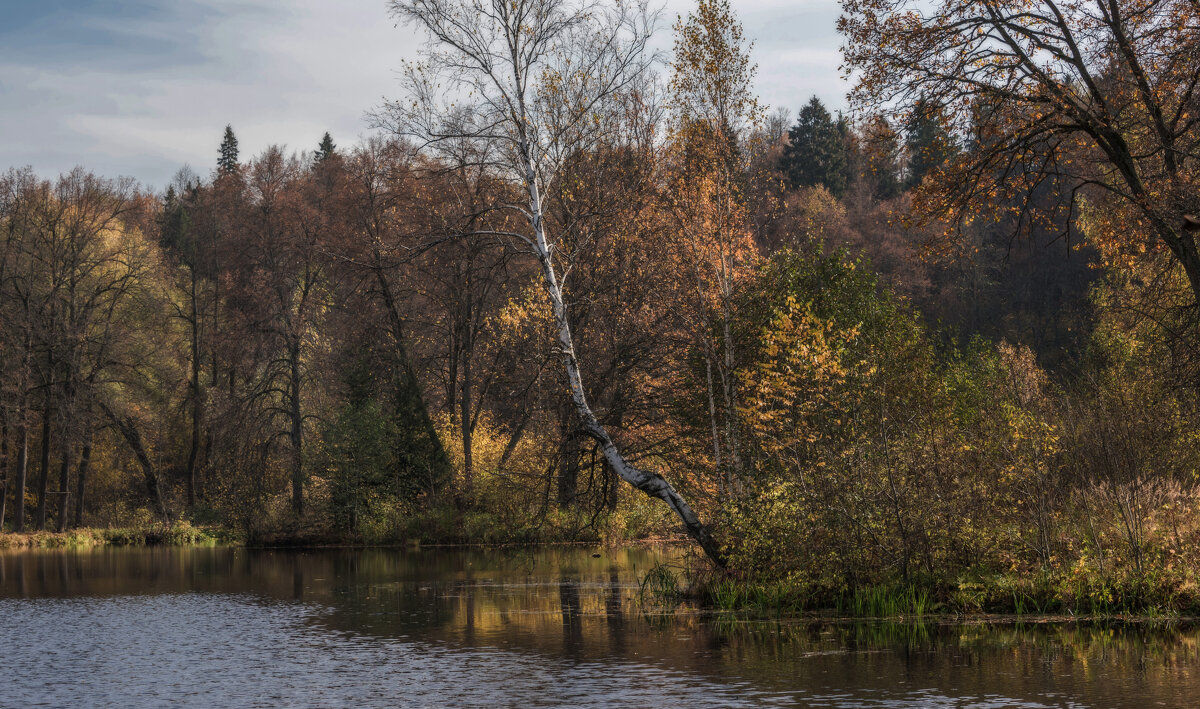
pixel 81 480
pixel 568 468
pixel 129 431
pixel 215 333
pixel 197 401
pixel 297 430
pixel 467 422
pixel 611 488
pixel 22 471
pixel 44 473
pixel 205 461
pixel 64 489
pixel 3 464
pixel 452 397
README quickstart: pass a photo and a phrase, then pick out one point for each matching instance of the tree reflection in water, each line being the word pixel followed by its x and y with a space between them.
pixel 572 610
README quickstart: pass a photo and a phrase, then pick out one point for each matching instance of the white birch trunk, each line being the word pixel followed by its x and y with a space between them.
pixel 648 482
pixel 532 77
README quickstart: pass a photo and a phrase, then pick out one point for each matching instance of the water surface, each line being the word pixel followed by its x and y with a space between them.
pixel 221 627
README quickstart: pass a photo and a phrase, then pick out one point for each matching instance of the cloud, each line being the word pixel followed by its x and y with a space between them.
pixel 140 91
pixel 139 88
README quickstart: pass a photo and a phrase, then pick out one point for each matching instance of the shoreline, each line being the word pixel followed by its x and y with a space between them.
pixel 184 534
pixel 722 596
pixel 179 535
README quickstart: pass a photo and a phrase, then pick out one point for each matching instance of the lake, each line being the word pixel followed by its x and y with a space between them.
pixel 225 627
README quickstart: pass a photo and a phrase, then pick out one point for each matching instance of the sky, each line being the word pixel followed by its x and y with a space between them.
pixel 140 88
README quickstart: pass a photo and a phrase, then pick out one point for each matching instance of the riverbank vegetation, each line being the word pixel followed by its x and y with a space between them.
pixel 179 534
pixel 936 353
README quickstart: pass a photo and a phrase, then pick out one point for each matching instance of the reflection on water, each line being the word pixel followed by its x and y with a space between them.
pixel 235 627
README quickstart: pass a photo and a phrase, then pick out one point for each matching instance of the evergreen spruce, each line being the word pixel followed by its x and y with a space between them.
pixel 816 150
pixel 325 149
pixel 227 162
pixel 173 224
pixel 852 159
pixel 927 140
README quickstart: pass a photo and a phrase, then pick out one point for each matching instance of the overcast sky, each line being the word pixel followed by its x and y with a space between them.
pixel 142 87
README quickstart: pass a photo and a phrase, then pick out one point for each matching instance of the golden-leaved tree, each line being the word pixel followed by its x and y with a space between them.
pixel 713 113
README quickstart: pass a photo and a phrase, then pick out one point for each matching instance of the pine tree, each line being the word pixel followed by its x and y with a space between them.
pixel 880 161
pixel 928 142
pixel 816 150
pixel 852 158
pixel 171 222
pixel 325 149
pixel 227 163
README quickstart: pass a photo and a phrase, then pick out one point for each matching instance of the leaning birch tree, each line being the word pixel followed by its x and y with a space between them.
pixel 525 85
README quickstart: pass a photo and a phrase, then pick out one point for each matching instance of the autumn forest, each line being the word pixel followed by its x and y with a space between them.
pixel 945 341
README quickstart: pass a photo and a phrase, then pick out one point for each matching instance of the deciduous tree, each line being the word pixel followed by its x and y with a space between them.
pixel 1097 95
pixel 532 83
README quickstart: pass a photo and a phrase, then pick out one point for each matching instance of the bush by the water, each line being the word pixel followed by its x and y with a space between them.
pixel 876 459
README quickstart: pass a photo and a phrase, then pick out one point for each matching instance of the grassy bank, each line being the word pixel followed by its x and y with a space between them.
pixel 182 534
pixel 1081 592
pixel 449 525
pixel 443 525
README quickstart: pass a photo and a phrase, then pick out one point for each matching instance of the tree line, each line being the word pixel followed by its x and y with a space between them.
pixel 950 333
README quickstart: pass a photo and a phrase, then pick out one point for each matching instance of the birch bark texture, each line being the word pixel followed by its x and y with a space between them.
pixel 523 85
